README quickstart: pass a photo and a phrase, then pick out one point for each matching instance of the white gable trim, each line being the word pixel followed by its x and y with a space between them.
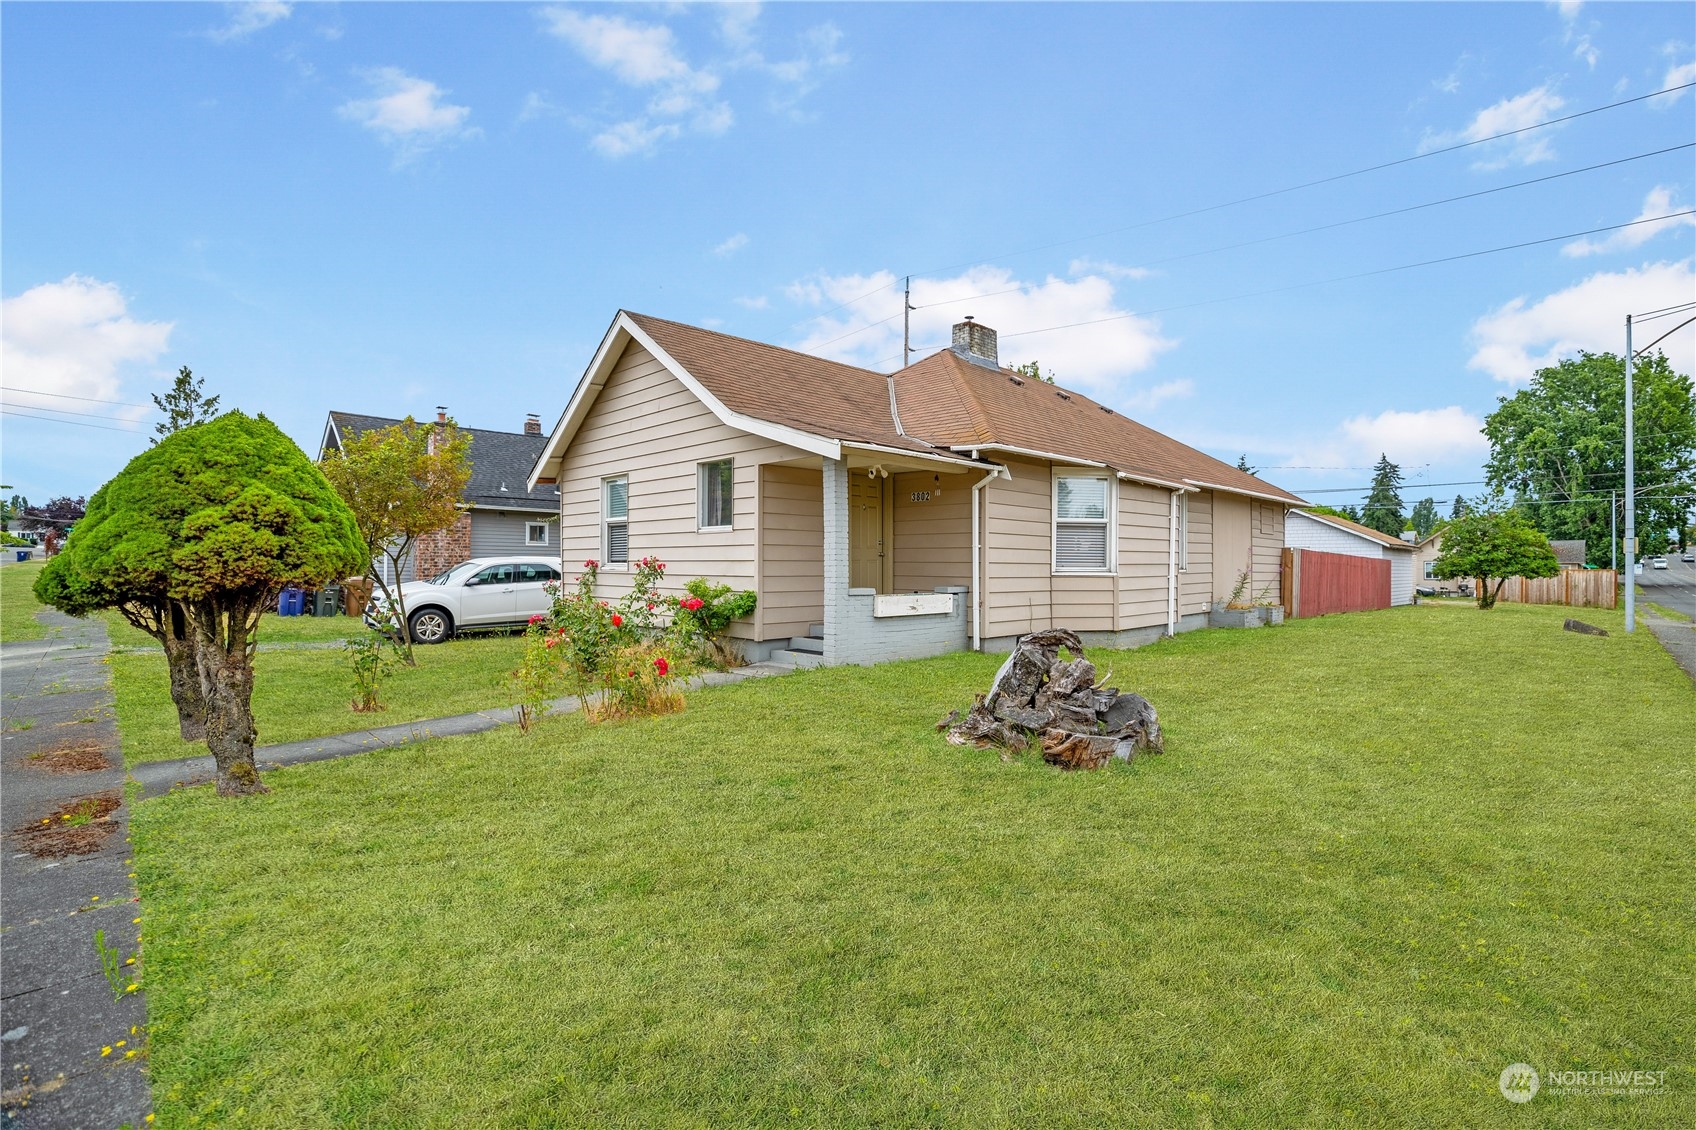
pixel 622 332
pixel 1325 520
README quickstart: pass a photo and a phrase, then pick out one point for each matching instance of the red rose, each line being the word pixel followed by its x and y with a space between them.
pixel 617 620
pixel 591 564
pixel 662 666
pixel 538 618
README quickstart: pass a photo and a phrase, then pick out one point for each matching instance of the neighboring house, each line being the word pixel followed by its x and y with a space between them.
pixel 1328 534
pixel 502 515
pixel 951 504
pixel 1425 554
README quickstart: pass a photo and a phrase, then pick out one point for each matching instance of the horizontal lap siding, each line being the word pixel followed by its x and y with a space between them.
pixel 1145 554
pixel 646 424
pixel 791 551
pixel 1195 584
pixel 1017 535
pixel 500 533
pixel 933 539
pixel 1268 551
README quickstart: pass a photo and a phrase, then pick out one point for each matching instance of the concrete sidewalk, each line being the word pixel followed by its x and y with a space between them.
pixel 57 1011
pixel 156 777
pixel 1678 637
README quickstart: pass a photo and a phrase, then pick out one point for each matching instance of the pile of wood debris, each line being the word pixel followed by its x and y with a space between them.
pixel 1037 695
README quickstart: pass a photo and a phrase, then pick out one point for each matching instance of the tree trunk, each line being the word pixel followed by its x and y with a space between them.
pixel 185 688
pixel 226 683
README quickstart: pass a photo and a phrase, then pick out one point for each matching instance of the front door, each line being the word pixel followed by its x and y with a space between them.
pixel 866 547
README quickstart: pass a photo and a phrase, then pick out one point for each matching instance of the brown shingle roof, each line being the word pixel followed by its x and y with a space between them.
pixel 955 403
pixel 944 402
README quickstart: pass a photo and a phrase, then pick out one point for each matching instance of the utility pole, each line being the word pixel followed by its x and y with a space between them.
pixel 907 323
pixel 1613 530
pixel 1630 545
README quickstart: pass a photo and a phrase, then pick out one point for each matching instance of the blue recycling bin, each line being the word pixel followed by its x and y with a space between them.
pixel 291 602
pixel 23 555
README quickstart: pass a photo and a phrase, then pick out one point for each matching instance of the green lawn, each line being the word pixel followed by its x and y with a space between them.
pixel 1384 856
pixel 272 629
pixel 18 605
pixel 306 693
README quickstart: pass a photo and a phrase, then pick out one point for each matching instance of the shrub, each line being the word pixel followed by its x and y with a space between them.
pixel 372 657
pixel 703 616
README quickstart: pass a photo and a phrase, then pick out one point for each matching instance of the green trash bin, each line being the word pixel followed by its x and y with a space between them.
pixel 327 601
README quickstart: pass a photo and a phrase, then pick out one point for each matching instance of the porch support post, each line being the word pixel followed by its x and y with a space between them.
pixel 835 556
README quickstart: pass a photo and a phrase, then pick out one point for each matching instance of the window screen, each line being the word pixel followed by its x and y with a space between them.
pixel 717 483
pixel 615 520
pixel 1080 524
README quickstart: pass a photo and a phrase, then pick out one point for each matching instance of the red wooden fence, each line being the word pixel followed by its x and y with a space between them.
pixel 1317 584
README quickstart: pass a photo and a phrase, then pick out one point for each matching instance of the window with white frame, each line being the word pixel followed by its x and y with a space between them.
pixel 615 521
pixel 535 533
pixel 1431 570
pixel 715 484
pixel 1183 532
pixel 1082 524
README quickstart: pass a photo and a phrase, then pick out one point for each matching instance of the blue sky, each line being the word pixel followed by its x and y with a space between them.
pixel 385 207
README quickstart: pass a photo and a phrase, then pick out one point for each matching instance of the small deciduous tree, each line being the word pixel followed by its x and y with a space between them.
pixel 1490 547
pixel 1033 370
pixel 184 406
pixel 401 482
pixel 216 519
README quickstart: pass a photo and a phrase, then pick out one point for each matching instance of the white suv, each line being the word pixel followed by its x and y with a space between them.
pixel 486 592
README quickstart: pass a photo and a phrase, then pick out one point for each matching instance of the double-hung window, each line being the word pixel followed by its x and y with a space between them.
pixel 715 484
pixel 1082 526
pixel 615 521
pixel 535 533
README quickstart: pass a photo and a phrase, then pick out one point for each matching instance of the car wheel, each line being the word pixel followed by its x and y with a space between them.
pixel 430 625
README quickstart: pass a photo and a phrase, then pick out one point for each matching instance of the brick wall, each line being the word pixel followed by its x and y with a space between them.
pixel 445 548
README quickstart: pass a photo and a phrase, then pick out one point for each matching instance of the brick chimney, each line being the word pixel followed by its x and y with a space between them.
pixel 441 413
pixel 976 343
pixel 532 425
pixel 441 418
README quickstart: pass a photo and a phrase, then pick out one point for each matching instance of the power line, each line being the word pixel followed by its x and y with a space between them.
pixel 1313 183
pixel 1350 278
pixel 1342 223
pixel 18 411
pixel 68 396
pixel 1663 312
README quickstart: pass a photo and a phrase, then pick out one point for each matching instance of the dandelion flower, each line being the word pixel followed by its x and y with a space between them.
pixel 107 1050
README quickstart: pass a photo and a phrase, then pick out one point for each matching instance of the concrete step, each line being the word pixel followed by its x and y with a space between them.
pixel 815 631
pixel 807 643
pixel 796 658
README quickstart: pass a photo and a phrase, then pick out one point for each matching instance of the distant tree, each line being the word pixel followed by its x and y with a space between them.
pixel 1242 465
pixel 56 516
pixel 1343 512
pixel 1490 547
pixel 1383 509
pixel 215 520
pixel 1458 510
pixel 401 482
pixel 184 406
pixel 1559 446
pixel 1033 370
pixel 1352 513
pixel 1424 517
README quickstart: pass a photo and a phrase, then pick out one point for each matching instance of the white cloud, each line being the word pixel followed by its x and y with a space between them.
pixel 757 302
pixel 1411 438
pixel 1658 203
pixel 1677 75
pixel 1103 267
pixel 537 105
pixel 74 337
pixel 1095 358
pixel 645 56
pixel 732 245
pixel 1520 337
pixel 245 19
pixel 1528 109
pixel 408 113
pixel 1149 399
pixel 1579 40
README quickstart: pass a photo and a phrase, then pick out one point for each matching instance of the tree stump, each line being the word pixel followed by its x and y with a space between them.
pixel 1038 696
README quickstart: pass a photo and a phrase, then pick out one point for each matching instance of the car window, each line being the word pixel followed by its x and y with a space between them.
pixel 530 572
pixel 495 575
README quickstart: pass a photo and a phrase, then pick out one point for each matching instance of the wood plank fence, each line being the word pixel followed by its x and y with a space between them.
pixel 1580 588
pixel 1318 584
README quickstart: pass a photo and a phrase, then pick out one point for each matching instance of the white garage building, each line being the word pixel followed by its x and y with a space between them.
pixel 1322 532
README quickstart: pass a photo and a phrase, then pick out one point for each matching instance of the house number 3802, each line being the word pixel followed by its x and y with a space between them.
pixel 921 496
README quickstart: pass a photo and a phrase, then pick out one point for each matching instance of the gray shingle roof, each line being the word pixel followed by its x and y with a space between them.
pixel 500 463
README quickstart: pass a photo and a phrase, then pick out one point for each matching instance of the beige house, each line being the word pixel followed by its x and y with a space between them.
pixel 952 504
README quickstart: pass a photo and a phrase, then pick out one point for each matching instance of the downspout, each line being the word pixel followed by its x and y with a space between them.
pixel 977 568
pixel 1172 568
